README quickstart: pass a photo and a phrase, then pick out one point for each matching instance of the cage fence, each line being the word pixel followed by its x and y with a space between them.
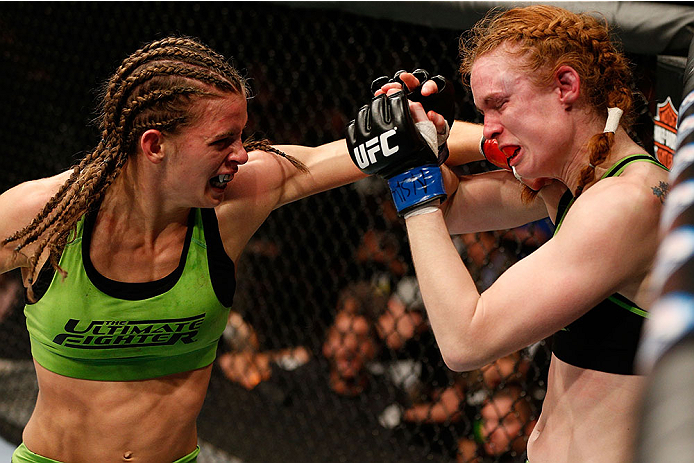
pixel 282 388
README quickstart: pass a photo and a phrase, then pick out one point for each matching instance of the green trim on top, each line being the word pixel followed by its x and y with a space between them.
pixel 614 171
pixel 636 310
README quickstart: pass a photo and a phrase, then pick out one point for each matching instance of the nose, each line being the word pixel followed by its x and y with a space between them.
pixel 492 128
pixel 237 154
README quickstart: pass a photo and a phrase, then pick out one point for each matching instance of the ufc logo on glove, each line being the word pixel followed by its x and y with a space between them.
pixel 365 154
pixel 383 140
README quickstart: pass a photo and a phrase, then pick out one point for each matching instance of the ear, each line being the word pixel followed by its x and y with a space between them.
pixel 568 84
pixel 151 145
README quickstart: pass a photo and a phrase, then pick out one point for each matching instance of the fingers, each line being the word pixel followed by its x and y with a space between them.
pixel 438 120
pixel 412 81
pixel 421 75
pixel 395 86
pixel 429 88
pixel 378 83
pixel 417 111
pixel 416 108
pixel 409 79
pixel 402 78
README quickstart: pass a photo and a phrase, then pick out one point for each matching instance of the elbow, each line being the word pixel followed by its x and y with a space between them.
pixel 454 363
pixel 461 358
pixel 464 347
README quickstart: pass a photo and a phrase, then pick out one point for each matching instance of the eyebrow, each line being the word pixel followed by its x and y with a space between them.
pixel 222 136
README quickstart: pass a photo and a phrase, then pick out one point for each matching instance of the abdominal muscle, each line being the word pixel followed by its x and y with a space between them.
pixel 587 416
pixel 151 420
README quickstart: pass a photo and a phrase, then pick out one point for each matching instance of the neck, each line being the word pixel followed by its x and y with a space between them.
pixel 135 201
pixel 622 146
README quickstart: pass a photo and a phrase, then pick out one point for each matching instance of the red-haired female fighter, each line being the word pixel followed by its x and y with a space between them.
pixel 552 87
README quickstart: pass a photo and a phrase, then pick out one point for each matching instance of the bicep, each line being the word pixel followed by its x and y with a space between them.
pixel 594 255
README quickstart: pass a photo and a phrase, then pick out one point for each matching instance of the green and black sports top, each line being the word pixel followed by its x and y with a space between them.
pixel 606 337
pixel 90 327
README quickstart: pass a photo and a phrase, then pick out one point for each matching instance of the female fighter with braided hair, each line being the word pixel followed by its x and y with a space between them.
pixel 128 258
pixel 552 87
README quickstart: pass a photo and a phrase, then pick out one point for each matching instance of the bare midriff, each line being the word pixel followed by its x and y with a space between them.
pixel 587 415
pixel 151 420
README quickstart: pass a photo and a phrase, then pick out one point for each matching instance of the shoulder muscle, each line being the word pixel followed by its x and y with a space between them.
pixel 18 207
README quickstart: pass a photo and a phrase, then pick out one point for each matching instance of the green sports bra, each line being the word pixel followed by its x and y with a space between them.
pixel 90 327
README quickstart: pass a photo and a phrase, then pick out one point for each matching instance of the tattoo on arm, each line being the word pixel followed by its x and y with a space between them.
pixel 661 191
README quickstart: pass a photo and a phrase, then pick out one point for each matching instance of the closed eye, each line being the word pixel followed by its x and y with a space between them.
pixel 223 142
pixel 494 103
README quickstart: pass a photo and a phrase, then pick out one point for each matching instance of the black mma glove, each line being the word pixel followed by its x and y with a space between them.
pixel 384 140
pixel 442 102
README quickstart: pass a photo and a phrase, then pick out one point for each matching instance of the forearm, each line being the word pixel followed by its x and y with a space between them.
pixel 464 143
pixel 488 201
pixel 329 166
pixel 449 292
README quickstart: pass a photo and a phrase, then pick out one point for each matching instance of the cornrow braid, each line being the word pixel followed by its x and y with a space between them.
pixel 176 49
pixel 599 148
pixel 47 216
pixel 185 49
pixel 138 105
pixel 264 145
pixel 181 48
pixel 548 37
pixel 147 74
pixel 154 88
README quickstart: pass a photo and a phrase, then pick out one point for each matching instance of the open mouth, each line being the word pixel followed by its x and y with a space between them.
pixel 220 181
pixel 511 153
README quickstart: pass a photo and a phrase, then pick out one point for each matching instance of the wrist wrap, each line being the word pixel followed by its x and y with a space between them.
pixel 416 187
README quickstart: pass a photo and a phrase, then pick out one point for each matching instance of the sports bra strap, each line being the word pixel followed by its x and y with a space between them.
pixel 567 198
pixel 619 167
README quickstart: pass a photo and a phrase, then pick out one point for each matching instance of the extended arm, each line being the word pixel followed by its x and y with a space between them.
pixel 492 201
